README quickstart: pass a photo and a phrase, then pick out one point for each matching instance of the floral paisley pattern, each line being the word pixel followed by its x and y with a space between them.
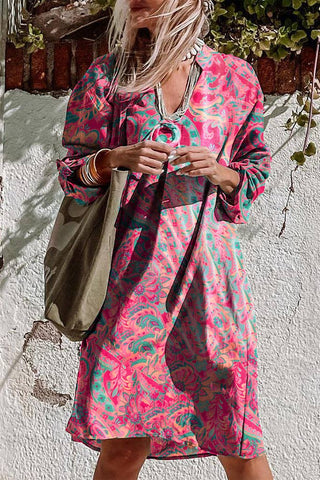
pixel 173 353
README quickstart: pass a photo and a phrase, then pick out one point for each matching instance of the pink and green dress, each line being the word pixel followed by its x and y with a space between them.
pixel 173 354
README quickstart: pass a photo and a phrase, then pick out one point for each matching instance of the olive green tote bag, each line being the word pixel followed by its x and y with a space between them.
pixel 78 260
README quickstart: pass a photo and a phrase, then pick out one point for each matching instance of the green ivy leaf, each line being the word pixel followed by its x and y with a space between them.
pixel 312 2
pixel 315 34
pixel 300 99
pixel 288 124
pixel 298 35
pixel 311 149
pixel 298 157
pixel 306 107
pixel 297 4
pixel 302 120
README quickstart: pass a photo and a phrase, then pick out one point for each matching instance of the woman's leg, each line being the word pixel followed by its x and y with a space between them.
pixel 238 468
pixel 121 458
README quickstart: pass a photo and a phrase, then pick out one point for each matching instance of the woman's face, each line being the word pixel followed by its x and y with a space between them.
pixel 140 11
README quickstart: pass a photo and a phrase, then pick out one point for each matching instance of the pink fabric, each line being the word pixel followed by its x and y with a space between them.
pixel 173 354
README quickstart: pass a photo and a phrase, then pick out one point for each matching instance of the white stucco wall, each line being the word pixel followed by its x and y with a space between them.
pixel 39 370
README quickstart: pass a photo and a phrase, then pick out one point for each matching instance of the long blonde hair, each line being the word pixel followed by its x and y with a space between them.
pixel 142 59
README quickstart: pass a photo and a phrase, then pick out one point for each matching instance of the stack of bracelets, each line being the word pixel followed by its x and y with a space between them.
pixel 88 173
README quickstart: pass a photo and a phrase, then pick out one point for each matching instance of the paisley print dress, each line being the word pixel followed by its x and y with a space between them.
pixel 173 353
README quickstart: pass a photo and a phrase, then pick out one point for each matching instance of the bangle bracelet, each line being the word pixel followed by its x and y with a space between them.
pixel 88 173
pixel 92 173
pixel 96 173
pixel 84 173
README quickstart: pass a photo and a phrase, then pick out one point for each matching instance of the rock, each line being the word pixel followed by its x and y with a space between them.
pixel 63 20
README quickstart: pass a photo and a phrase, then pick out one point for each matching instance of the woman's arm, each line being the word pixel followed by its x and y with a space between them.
pixel 243 180
pixel 228 179
pixel 89 127
pixel 251 160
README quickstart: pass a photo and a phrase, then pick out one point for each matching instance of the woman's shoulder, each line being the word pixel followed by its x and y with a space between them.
pixel 241 68
pixel 237 66
pixel 96 78
pixel 101 68
pixel 237 69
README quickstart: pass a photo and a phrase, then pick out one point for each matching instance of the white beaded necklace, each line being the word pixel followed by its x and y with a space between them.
pixel 194 74
pixel 198 45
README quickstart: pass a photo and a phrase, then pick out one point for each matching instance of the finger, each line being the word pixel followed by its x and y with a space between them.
pixel 200 172
pixel 194 166
pixel 157 146
pixel 148 152
pixel 194 157
pixel 193 149
pixel 148 170
pixel 150 162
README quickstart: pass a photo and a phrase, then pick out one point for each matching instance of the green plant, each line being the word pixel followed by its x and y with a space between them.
pixel 31 37
pixel 303 116
pixel 271 27
pixel 253 28
pixel 102 5
pixel 28 35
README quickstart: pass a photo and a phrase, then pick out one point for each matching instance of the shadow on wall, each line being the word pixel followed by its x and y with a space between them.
pixel 32 222
pixel 32 195
pixel 33 129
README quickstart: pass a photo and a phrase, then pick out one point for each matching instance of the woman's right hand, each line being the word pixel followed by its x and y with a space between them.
pixel 146 157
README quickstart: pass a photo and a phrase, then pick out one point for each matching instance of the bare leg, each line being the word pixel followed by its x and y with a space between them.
pixel 121 458
pixel 238 468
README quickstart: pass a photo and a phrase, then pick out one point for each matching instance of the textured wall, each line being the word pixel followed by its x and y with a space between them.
pixel 39 368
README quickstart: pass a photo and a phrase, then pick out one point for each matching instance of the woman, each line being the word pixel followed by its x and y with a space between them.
pixel 170 368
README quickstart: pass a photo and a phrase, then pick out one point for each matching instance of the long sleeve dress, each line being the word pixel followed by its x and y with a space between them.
pixel 173 352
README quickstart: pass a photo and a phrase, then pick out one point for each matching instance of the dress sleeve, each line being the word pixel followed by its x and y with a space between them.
pixel 87 129
pixel 251 158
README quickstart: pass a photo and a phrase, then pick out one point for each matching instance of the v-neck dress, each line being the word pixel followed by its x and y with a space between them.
pixel 173 352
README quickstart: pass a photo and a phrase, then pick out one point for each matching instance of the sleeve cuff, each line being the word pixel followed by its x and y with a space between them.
pixel 231 207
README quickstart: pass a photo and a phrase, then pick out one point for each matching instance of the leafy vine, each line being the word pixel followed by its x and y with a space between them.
pixel 302 119
pixel 28 35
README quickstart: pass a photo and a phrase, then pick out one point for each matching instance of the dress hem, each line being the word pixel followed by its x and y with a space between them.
pixel 79 439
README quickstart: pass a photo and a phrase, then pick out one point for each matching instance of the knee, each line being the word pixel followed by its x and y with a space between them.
pixel 238 467
pixel 234 464
pixel 125 455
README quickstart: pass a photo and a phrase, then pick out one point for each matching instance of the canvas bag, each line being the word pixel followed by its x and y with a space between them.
pixel 78 259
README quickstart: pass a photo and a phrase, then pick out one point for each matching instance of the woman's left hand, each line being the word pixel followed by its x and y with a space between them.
pixel 203 163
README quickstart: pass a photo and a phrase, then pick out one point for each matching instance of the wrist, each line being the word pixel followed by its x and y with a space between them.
pixel 105 160
pixel 230 179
